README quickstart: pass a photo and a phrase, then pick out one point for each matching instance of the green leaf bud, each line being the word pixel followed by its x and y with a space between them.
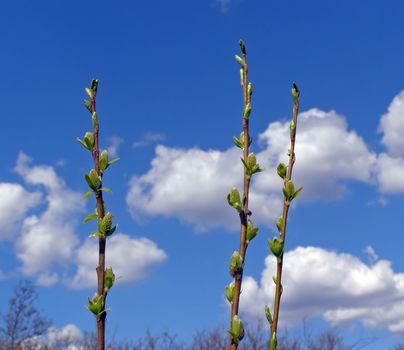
pixel 251 231
pixel 247 111
pixel 230 290
pixel 242 46
pixel 236 264
pixel 109 278
pixel 249 89
pixel 268 314
pixel 104 160
pixel 236 329
pixel 289 190
pixel 94 118
pixel 274 341
pixel 96 305
pixel 276 245
pixel 241 76
pixel 295 93
pixel 90 93
pixel 94 85
pixel 95 180
pixel 87 103
pixel 251 161
pixel 239 60
pixel 251 164
pixel 282 170
pixel 279 223
pixel 233 198
pixel 89 140
pixel 292 127
pixel 104 224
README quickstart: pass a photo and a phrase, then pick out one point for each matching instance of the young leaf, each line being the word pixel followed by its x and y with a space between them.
pixel 109 278
pixel 268 314
pixel 89 92
pixel 236 264
pixel 297 192
pixel 274 341
pixel 230 289
pixel 279 223
pixel 276 246
pixel 249 89
pixel 88 194
pixel 104 160
pixel 239 60
pixel 251 231
pixel 237 142
pixel 247 111
pixel 234 200
pixel 90 216
pixel 87 103
pixel 113 161
pixel 82 143
pixel 282 170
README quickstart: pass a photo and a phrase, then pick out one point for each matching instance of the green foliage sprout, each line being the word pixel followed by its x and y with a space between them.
pixel 277 244
pixel 240 204
pixel 105 228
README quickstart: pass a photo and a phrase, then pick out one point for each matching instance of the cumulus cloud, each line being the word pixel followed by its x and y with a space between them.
pixel 390 174
pixel 339 287
pixel 390 164
pixel 328 154
pixel 47 239
pixel 68 334
pixel 392 126
pixel 129 258
pixel 192 184
pixel 15 202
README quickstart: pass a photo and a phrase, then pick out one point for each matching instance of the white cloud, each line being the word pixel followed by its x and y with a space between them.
pixel 328 154
pixel 149 138
pixel 129 258
pixel 69 334
pixel 192 184
pixel 392 126
pixel 339 287
pixel 390 174
pixel 15 202
pixel 49 238
pixel 114 143
pixel 390 164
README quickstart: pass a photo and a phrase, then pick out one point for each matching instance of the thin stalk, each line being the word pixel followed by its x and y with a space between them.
pixel 286 206
pixel 105 276
pixel 101 240
pixel 246 189
pixel 247 231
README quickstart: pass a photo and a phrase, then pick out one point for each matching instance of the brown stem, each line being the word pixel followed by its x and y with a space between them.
pixel 286 204
pixel 245 211
pixel 101 241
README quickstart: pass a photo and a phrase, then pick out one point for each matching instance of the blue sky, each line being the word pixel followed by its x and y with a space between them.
pixel 169 103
